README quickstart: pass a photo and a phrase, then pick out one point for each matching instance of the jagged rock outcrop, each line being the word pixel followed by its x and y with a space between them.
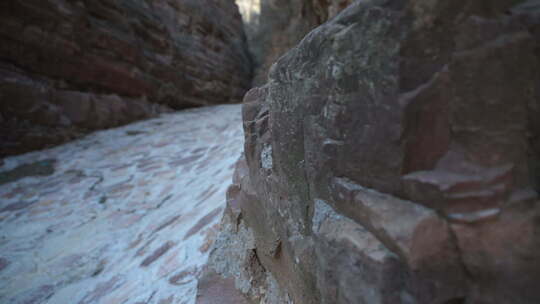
pixel 392 157
pixel 275 26
pixel 70 66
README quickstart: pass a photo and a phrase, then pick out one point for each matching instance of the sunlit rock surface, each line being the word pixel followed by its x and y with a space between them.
pixel 250 11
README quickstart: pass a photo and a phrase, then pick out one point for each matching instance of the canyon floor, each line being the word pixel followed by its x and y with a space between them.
pixel 125 215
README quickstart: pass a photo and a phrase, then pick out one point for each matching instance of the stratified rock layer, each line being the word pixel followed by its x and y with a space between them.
pixel 126 215
pixel 393 158
pixel 67 67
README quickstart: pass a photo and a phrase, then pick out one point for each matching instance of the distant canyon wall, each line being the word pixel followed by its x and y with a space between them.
pixel 67 67
pixel 275 26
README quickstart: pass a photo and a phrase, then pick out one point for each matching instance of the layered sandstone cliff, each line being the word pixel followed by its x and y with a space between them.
pixel 393 157
pixel 71 66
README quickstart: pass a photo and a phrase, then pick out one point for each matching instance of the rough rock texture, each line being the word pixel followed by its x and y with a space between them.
pixel 393 157
pixel 122 216
pixel 276 26
pixel 71 66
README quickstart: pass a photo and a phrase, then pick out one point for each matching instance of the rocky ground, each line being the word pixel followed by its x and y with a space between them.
pixel 121 216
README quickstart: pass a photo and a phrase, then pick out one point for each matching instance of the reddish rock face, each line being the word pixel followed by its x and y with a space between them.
pixel 392 157
pixel 67 67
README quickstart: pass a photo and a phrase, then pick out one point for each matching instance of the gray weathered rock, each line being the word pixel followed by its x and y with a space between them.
pixel 275 26
pixel 393 155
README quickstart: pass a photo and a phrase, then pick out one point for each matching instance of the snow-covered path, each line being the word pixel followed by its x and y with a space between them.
pixel 127 215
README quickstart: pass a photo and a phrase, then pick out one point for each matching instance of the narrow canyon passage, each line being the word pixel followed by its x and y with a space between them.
pixel 272 152
pixel 125 215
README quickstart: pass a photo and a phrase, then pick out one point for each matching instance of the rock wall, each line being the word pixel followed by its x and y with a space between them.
pixel 71 66
pixel 392 157
pixel 275 26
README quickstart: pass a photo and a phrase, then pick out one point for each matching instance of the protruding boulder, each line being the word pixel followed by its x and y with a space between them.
pixel 392 157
